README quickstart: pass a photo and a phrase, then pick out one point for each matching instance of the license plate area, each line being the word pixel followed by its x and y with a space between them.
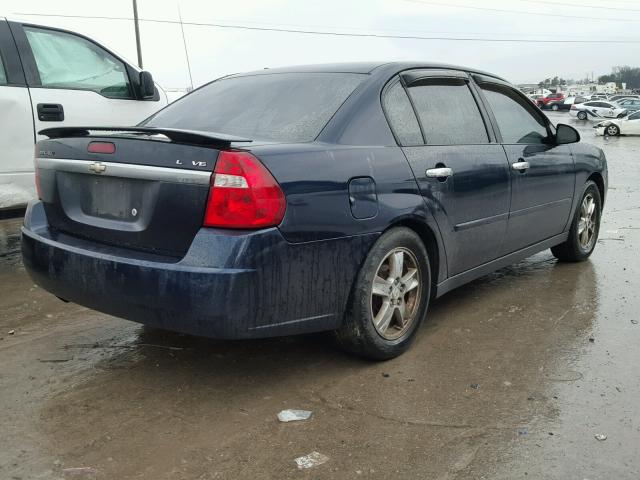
pixel 107 202
pixel 113 198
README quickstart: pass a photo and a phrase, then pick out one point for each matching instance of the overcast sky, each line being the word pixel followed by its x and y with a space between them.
pixel 214 52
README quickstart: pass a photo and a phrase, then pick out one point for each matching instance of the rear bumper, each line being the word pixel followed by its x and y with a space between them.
pixel 228 285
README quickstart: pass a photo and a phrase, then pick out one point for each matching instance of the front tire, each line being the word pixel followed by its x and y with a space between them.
pixel 612 130
pixel 584 228
pixel 389 299
pixel 555 107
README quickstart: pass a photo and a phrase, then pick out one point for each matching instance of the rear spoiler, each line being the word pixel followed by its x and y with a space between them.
pixel 193 137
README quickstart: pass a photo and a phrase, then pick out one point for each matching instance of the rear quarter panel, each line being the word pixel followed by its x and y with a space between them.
pixel 589 160
pixel 315 179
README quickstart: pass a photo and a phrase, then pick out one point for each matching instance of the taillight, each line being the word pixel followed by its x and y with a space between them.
pixel 37 172
pixel 574 107
pixel 101 147
pixel 243 194
pixel 38 187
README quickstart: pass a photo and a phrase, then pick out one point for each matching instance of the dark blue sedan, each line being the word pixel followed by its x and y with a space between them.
pixel 306 199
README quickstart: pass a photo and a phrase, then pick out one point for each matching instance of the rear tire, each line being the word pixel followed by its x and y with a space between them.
pixel 383 316
pixel 585 227
pixel 555 107
pixel 582 115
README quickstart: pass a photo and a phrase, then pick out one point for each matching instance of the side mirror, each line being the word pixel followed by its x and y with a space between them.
pixel 147 85
pixel 566 134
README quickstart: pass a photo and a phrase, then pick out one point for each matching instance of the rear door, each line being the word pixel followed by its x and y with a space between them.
pixel 16 127
pixel 74 81
pixel 542 173
pixel 461 171
pixel 602 109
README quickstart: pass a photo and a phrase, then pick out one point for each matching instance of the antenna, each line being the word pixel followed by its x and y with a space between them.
pixel 184 42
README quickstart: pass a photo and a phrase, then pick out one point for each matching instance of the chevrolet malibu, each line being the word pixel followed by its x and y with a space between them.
pixel 336 198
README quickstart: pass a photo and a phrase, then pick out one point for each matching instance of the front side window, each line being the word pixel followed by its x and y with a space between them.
pixel 68 61
pixel 288 107
pixel 635 116
pixel 517 119
pixel 448 112
pixel 401 116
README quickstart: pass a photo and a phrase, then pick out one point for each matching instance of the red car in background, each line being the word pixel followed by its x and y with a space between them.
pixel 552 97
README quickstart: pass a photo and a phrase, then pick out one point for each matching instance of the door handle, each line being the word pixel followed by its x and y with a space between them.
pixel 50 112
pixel 520 166
pixel 443 172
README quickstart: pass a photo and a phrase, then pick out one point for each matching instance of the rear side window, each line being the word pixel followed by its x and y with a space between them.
pixel 448 112
pixel 517 119
pixel 288 107
pixel 69 61
pixel 401 116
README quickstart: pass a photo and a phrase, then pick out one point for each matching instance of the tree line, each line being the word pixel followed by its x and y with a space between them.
pixel 619 75
pixel 624 74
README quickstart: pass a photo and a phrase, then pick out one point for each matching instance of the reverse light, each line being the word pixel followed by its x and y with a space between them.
pixel 243 194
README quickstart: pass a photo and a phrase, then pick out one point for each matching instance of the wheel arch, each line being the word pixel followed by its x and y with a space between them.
pixel 596 177
pixel 431 243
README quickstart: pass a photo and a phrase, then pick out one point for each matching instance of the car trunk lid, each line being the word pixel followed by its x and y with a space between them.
pixel 149 194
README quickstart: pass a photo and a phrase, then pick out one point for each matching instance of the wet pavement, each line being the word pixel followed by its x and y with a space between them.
pixel 512 376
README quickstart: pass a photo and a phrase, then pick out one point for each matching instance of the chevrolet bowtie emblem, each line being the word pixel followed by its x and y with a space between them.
pixel 97 167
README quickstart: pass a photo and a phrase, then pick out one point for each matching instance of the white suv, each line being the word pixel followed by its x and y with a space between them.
pixel 51 77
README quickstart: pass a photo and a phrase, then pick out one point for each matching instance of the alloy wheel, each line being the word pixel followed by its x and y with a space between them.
pixel 612 130
pixel 587 223
pixel 395 293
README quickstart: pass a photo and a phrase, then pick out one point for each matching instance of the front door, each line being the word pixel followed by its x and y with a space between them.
pixel 461 173
pixel 542 173
pixel 631 125
pixel 75 82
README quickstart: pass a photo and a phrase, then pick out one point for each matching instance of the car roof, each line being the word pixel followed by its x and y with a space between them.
pixel 363 67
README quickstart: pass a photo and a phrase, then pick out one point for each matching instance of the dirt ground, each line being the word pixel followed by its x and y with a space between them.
pixel 511 377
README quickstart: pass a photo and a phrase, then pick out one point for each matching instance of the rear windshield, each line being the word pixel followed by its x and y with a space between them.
pixel 289 107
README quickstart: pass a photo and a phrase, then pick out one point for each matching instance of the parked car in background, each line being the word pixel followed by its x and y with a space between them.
pixel 565 104
pixel 596 109
pixel 629 125
pixel 327 197
pixel 615 98
pixel 53 77
pixel 534 97
pixel 630 104
pixel 552 97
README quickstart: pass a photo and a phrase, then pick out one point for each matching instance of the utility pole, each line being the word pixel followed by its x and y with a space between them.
pixel 186 51
pixel 137 27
